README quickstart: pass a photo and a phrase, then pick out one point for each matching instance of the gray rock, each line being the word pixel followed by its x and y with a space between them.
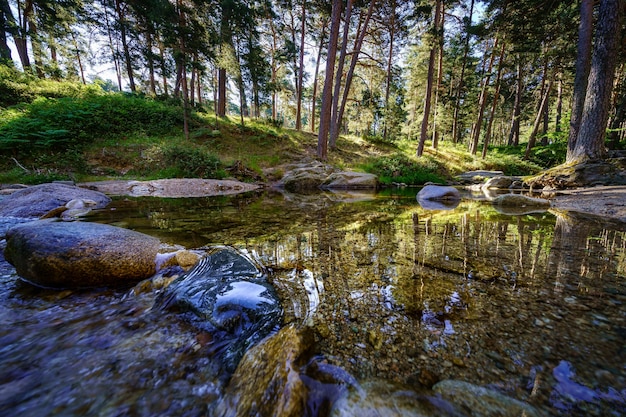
pixel 483 402
pixel 478 176
pixel 350 180
pixel 438 193
pixel 520 204
pixel 305 177
pixel 56 254
pixel 40 199
pixel 501 182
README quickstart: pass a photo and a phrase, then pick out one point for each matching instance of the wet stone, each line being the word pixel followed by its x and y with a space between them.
pixel 228 294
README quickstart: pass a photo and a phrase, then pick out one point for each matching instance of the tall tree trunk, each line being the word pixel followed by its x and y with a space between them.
pixel 392 31
pixel 494 104
pixel 163 67
pixel 78 59
pixel 457 100
pixel 559 104
pixel 325 111
pixel 619 118
pixel 334 118
pixel 517 106
pixel 435 143
pixel 221 92
pixel 112 46
pixel 127 58
pixel 533 134
pixel 317 68
pixel 353 61
pixel 482 101
pixel 300 69
pixel 590 140
pixel 7 27
pixel 183 58
pixel 583 64
pixel 30 23
pixel 150 59
pixel 429 84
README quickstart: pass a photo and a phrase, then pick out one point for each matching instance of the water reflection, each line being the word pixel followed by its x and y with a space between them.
pixel 391 291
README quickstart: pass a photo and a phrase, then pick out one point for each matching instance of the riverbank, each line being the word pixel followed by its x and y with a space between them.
pixel 603 201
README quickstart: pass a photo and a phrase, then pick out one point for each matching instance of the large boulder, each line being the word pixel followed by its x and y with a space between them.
pixel 439 193
pixel 79 255
pixel 312 176
pixel 38 200
pixel 305 177
pixel 347 180
pixel 501 182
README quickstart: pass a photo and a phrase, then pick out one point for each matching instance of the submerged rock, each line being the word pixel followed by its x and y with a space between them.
pixel 483 401
pixel 80 255
pixel 438 193
pixel 40 199
pixel 227 294
pixel 381 398
pixel 517 204
pixel 267 381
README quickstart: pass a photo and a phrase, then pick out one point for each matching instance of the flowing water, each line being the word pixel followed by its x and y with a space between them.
pixel 531 306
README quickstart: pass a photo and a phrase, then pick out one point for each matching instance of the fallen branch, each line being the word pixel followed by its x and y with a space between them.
pixel 20 165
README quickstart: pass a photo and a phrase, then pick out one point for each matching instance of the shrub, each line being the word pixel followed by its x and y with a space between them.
pixel 193 162
pixel 58 124
pixel 399 168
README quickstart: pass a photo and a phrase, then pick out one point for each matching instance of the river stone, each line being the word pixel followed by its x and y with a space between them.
pixel 40 199
pixel 305 177
pixel 267 381
pixel 227 294
pixel 80 255
pixel 350 180
pixel 438 193
pixel 382 398
pixel 501 182
pixel 521 202
pixel 483 402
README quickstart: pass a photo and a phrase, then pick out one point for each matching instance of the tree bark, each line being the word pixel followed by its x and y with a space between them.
pixel 392 31
pixel 457 100
pixel 583 64
pixel 125 47
pixel 334 123
pixel 590 141
pixel 429 85
pixel 517 106
pixel 533 135
pixel 482 102
pixel 353 61
pixel 317 67
pixel 300 69
pixel 435 143
pixel 325 111
pixel 494 104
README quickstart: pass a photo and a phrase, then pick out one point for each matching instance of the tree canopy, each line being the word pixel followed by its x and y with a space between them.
pixel 471 72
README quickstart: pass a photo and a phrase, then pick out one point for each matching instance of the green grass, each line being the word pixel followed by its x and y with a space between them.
pixel 69 131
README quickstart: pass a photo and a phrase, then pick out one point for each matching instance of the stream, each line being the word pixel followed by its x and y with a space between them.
pixel 394 299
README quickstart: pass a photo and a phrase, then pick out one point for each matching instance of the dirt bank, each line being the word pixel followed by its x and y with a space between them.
pixel 604 201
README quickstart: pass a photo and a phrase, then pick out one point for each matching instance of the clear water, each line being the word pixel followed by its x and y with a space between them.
pixel 533 306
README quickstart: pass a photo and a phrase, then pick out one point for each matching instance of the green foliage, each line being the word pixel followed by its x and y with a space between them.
pixel 20 87
pixel 58 124
pixel 399 168
pixel 192 162
pixel 509 160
